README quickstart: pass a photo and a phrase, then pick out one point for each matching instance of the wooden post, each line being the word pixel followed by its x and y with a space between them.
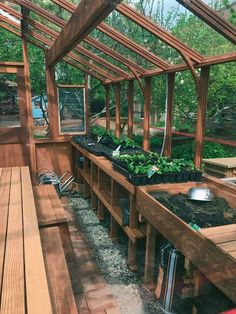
pixel 147 103
pixel 114 229
pixel 130 96
pixel 86 80
pixel 133 222
pixel 169 114
pixel 118 109
pixel 53 111
pixel 201 114
pixel 108 97
pixel 24 89
pixel 101 208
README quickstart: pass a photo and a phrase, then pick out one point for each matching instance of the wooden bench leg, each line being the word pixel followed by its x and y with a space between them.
pixel 87 190
pixel 132 263
pixel 150 256
pixel 114 229
pixel 101 208
pixel 94 201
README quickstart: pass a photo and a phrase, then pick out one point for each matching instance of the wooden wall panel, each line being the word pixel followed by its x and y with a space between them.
pixel 11 135
pixel 12 155
pixel 54 156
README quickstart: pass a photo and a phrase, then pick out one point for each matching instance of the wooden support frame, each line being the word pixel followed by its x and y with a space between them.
pixel 130 44
pixel 201 115
pixel 85 18
pixel 130 97
pixel 169 113
pixel 86 81
pixel 118 109
pixel 107 100
pixel 71 8
pixel 53 19
pixel 146 120
pixel 45 41
pixel 154 29
pixel 116 56
pixel 28 108
pixel 53 111
pixel 211 17
pixel 80 49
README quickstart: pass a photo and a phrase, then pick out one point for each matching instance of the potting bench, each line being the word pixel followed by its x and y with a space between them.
pixel 212 251
pixel 106 187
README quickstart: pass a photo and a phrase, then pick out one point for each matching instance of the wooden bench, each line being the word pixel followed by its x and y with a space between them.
pixel 57 247
pixel 48 206
pixel 24 286
pixel 57 271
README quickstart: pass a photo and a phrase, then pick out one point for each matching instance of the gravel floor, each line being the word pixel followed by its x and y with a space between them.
pixel 111 258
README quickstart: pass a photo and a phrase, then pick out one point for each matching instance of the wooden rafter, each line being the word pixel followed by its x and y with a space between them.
pixel 73 56
pixel 113 54
pixel 85 18
pixel 59 22
pixel 47 42
pixel 211 17
pixel 112 33
pixel 44 41
pixel 80 49
pixel 140 50
pixel 70 7
pixel 154 29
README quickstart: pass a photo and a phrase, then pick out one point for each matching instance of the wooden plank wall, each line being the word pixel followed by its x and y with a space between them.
pixel 12 155
pixel 54 156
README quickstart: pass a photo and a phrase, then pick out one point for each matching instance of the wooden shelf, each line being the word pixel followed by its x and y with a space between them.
pixel 109 186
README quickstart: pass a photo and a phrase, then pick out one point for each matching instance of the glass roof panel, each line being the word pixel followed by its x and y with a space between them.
pixel 122 50
pixel 187 27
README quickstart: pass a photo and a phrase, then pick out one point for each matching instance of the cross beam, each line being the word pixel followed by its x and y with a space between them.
pixel 86 17
pixel 211 17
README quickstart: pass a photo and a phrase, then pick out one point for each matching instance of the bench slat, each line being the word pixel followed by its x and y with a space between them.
pixel 48 206
pixel 43 204
pixel 5 177
pixel 57 271
pixel 56 204
pixel 38 298
pixel 13 298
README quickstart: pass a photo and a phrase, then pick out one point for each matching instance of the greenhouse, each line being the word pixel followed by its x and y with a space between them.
pixel 118 156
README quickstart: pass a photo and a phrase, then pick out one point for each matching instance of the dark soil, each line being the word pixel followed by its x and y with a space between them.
pixel 204 214
pixel 102 149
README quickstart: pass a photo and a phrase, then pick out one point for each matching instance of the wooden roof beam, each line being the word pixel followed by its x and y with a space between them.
pixel 66 59
pixel 49 43
pixel 61 23
pixel 45 41
pixel 157 31
pixel 113 54
pixel 74 57
pixel 70 7
pixel 211 17
pixel 86 17
pixel 80 49
pixel 123 40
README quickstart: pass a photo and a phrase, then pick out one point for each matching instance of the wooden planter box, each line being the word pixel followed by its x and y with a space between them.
pixel 213 251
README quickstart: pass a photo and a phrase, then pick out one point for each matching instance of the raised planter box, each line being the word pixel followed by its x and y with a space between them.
pixel 211 250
